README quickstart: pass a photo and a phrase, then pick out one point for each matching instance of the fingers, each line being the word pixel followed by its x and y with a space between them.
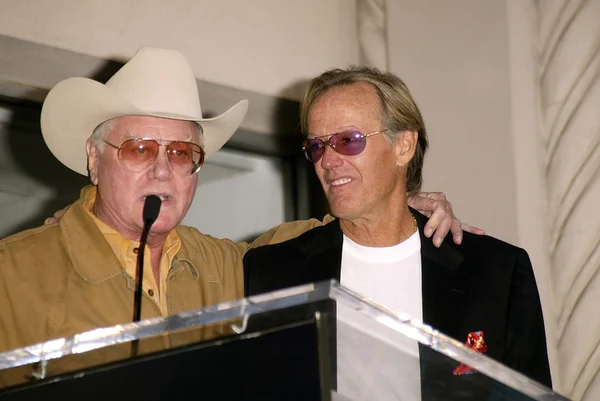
pixel 441 217
pixel 423 204
pixel 426 202
pixel 435 219
pixel 457 231
pixel 438 196
pixel 440 222
pixel 57 216
pixel 453 225
pixel 471 229
pixel 442 230
pixel 458 228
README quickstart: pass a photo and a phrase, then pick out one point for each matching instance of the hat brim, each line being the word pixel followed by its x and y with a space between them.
pixel 76 106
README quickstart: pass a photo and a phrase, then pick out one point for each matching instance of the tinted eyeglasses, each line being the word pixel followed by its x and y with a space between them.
pixel 137 154
pixel 347 143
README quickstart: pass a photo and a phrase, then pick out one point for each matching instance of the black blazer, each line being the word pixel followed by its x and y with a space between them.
pixel 483 284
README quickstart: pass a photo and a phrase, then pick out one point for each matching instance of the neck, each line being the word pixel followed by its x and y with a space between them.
pixel 155 256
pixel 154 240
pixel 388 230
pixel 155 244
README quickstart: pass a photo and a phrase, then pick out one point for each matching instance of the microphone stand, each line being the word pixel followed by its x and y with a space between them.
pixel 150 214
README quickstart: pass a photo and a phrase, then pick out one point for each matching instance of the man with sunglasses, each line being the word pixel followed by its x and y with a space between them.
pixel 367 140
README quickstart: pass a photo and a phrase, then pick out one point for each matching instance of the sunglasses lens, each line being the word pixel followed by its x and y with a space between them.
pixel 183 156
pixel 136 154
pixel 349 143
pixel 314 149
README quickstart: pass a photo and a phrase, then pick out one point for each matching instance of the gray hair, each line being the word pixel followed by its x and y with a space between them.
pixel 100 132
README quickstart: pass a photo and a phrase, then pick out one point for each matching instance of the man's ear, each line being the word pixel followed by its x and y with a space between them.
pixel 93 157
pixel 405 147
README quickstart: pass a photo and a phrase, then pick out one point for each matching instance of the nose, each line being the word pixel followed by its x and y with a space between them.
pixel 161 168
pixel 330 159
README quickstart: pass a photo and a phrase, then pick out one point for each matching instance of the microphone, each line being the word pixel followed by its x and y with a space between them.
pixel 149 215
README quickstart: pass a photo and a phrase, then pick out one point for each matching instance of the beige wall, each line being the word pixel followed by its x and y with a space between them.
pixel 266 46
pixel 454 57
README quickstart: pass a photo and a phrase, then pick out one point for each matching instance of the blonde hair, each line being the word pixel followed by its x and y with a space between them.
pixel 399 112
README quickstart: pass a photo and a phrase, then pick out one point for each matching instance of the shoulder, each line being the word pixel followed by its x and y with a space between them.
pixel 31 240
pixel 25 257
pixel 208 247
pixel 215 259
pixel 495 258
pixel 33 251
pixel 35 259
pixel 488 247
pixel 289 230
pixel 304 232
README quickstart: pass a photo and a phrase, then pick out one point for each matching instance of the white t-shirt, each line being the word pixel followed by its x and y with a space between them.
pixel 391 277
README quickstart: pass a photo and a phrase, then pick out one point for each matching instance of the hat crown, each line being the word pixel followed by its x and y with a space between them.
pixel 155 82
pixel 158 81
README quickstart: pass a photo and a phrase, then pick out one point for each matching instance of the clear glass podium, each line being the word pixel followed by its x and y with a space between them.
pixel 313 342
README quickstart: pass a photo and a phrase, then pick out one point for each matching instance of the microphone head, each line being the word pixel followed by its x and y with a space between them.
pixel 151 209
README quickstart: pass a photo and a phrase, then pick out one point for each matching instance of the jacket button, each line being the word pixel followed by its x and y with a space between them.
pixel 151 293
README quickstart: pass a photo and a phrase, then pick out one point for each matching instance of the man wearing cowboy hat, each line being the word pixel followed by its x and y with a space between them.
pixel 145 135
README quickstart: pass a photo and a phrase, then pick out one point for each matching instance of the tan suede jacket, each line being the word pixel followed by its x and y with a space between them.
pixel 62 279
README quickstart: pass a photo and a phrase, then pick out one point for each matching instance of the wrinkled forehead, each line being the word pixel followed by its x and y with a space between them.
pixel 354 107
pixel 127 127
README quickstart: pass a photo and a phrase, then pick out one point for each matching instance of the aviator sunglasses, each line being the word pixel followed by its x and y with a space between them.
pixel 347 143
pixel 137 154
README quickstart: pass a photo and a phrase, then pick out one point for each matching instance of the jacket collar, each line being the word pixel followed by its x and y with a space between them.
pixel 443 285
pixel 92 257
pixel 324 245
pixel 447 255
pixel 330 237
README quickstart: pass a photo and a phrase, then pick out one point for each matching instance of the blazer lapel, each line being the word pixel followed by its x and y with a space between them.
pixel 442 285
pixel 443 294
pixel 323 251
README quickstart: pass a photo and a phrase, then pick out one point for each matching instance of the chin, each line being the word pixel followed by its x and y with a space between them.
pixel 343 213
pixel 341 206
pixel 164 224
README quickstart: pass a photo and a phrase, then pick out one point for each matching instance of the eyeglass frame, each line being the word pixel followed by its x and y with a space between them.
pixel 328 142
pixel 195 166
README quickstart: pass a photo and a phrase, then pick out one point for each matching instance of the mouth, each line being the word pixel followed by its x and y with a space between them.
pixel 339 181
pixel 162 197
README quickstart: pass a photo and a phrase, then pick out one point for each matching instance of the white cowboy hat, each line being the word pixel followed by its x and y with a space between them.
pixel 155 82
